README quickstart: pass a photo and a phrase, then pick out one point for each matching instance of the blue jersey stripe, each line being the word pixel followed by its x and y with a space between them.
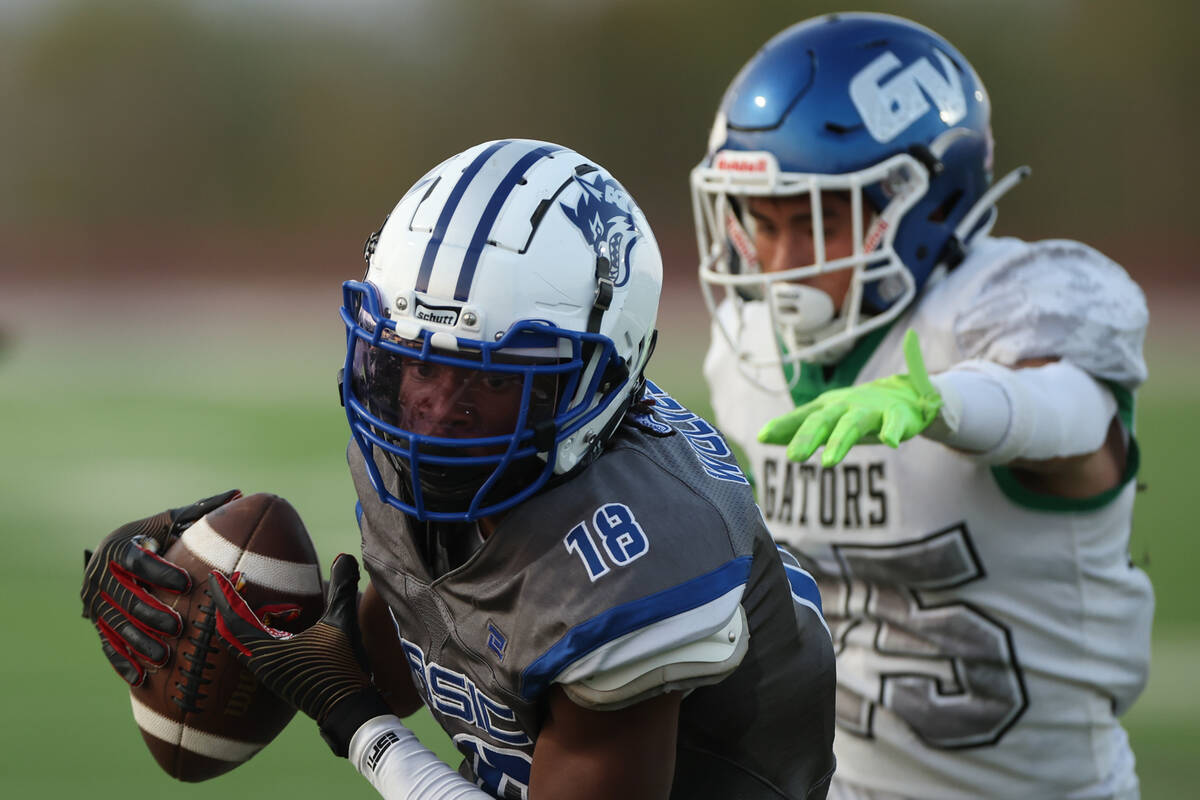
pixel 467 273
pixel 616 622
pixel 439 230
pixel 804 586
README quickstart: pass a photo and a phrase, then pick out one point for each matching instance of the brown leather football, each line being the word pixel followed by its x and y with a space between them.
pixel 202 713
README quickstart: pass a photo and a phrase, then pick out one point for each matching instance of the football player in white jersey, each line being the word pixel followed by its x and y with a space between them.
pixel 989 625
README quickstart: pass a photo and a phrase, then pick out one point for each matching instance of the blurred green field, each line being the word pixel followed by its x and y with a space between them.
pixel 109 412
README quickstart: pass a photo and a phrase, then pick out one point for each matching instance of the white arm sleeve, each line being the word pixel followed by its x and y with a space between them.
pixel 1036 413
pixel 389 755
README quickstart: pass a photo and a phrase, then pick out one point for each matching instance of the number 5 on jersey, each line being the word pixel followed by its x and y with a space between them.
pixel 620 535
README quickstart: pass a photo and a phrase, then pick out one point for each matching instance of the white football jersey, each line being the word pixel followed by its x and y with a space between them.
pixel 988 636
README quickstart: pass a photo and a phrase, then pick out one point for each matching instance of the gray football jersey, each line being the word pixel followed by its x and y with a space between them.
pixel 651 570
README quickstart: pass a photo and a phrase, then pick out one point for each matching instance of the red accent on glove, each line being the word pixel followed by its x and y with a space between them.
pixel 121 648
pixel 130 582
pixel 238 605
pixel 230 637
pixel 281 612
pixel 125 648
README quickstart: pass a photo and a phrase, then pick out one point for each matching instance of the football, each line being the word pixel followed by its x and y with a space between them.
pixel 202 713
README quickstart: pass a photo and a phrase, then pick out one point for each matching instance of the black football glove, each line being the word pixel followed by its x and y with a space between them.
pixel 118 577
pixel 322 671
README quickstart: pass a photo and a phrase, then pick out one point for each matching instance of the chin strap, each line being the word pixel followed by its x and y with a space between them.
pixel 604 294
pixel 618 370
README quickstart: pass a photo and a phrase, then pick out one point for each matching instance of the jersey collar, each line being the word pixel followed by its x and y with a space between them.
pixel 813 379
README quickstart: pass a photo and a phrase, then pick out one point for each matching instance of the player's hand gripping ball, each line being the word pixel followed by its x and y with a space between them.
pixel 323 670
pixel 199 711
pixel 122 578
pixel 889 410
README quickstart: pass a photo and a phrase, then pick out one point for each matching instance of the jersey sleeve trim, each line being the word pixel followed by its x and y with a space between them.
pixel 812 381
pixel 1015 491
pixel 803 587
pixel 1125 403
pixel 725 582
pixel 698 661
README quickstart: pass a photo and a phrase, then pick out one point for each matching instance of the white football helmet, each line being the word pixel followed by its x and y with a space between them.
pixel 501 331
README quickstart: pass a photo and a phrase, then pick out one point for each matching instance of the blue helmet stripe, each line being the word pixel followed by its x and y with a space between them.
pixel 490 212
pixel 439 230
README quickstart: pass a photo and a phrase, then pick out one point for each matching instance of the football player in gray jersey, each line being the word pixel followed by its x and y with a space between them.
pixel 566 565
pixel 989 625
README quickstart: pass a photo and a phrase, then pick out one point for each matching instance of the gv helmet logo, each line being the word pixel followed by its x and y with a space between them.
pixel 888 108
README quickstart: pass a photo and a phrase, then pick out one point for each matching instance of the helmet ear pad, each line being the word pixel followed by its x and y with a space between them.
pixel 959 173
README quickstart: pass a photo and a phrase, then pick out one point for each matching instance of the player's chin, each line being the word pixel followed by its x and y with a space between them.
pixel 453 488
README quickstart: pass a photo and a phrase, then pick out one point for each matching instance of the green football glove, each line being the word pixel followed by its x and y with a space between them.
pixel 889 410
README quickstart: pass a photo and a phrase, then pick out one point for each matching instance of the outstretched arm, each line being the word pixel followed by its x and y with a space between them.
pixel 1061 434
pixel 889 410
pixel 1050 421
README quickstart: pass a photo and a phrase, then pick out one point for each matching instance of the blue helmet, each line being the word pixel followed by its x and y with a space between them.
pixel 873 106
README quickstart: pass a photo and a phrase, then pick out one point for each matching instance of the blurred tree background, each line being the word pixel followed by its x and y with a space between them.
pixel 272 136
